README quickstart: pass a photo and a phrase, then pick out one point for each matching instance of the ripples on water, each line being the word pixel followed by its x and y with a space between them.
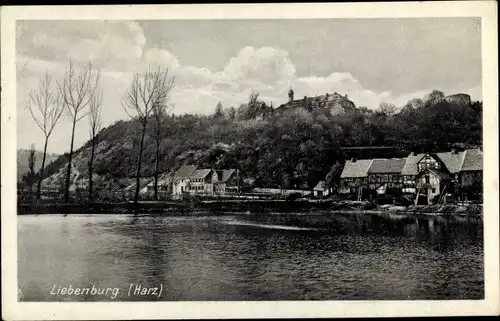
pixel 253 257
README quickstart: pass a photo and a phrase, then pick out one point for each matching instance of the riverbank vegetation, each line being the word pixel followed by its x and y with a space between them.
pixel 215 207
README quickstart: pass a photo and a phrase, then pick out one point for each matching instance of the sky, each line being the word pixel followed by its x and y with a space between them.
pixel 370 60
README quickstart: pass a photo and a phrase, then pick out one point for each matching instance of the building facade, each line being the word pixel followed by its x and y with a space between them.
pixel 385 174
pixel 435 176
pixel 202 181
pixel 228 182
pixel 180 181
pixel 354 175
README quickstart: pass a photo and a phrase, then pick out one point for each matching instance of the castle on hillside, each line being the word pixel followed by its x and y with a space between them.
pixel 333 101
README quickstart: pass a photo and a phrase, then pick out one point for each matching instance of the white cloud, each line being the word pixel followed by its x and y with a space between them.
pixel 106 43
pixel 267 65
pixel 161 58
pixel 119 49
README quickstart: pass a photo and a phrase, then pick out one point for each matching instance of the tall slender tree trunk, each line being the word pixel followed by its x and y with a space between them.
pixel 39 187
pixel 68 174
pixel 139 162
pixel 91 164
pixel 157 163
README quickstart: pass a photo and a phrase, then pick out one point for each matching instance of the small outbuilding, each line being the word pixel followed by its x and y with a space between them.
pixel 321 189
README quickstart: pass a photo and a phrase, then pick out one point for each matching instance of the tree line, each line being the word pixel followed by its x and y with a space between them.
pixel 78 96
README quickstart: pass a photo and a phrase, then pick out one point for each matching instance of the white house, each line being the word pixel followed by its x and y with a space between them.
pixel 181 177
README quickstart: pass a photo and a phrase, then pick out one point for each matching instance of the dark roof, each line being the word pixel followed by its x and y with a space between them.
pixel 226 174
pixel 473 160
pixel 452 160
pixel 410 167
pixel 185 171
pixel 387 166
pixel 358 168
pixel 201 173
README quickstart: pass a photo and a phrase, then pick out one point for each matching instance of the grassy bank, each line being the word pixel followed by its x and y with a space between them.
pixel 243 206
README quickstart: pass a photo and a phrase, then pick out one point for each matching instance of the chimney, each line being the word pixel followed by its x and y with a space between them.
pixel 353 159
pixel 480 150
pixel 454 150
pixel 413 153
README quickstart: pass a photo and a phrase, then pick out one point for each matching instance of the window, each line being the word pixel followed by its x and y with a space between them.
pixel 433 190
pixel 427 179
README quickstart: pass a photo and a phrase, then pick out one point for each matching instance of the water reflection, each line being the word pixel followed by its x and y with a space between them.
pixel 254 257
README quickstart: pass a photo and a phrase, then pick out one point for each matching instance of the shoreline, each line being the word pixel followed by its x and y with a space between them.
pixel 269 207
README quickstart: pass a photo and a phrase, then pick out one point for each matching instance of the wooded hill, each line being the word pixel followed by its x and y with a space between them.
pixel 294 148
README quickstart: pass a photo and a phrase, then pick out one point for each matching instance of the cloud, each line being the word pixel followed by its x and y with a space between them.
pixel 161 58
pixel 267 65
pixel 120 49
pixel 105 43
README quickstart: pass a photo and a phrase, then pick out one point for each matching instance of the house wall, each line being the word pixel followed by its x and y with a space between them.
pixel 203 185
pixel 349 185
pixel 428 162
pixel 470 178
pixel 220 188
pixel 392 180
pixel 431 184
pixel 180 186
pixel 324 192
pixel 197 186
pixel 409 184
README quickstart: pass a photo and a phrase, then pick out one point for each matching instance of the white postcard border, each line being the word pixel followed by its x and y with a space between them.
pixel 267 309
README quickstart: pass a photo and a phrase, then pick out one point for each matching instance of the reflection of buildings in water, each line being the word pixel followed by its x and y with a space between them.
pixel 437 231
pixel 360 223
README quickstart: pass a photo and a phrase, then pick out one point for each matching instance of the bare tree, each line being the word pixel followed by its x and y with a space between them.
pixel 46 110
pixel 77 90
pixel 147 91
pixel 95 122
pixel 160 112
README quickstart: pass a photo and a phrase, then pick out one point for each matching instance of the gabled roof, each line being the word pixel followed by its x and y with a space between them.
pixel 321 186
pixel 410 166
pixel 355 169
pixel 226 174
pixel 185 171
pixel 452 160
pixel 473 160
pixel 387 166
pixel 201 173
